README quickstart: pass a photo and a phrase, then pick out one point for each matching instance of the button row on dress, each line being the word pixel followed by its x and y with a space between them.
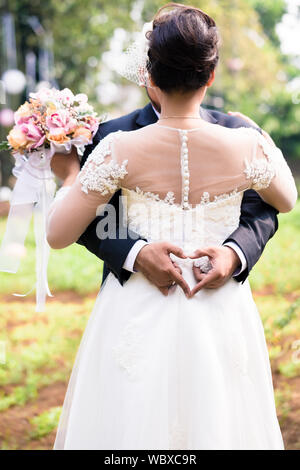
pixel 185 170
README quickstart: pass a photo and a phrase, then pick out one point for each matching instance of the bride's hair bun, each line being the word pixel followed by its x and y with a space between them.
pixel 183 48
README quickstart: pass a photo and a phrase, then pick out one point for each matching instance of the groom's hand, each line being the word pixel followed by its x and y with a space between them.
pixel 252 123
pixel 224 263
pixel 244 117
pixel 154 262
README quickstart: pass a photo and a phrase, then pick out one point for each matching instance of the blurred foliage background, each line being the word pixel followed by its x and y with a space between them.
pixel 83 39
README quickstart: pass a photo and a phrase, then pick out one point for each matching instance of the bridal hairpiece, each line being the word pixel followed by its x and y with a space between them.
pixel 133 62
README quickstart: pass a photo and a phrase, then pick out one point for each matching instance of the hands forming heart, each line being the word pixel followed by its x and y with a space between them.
pixel 156 265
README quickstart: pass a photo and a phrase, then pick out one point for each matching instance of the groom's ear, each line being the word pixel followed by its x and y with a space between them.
pixel 151 82
pixel 211 79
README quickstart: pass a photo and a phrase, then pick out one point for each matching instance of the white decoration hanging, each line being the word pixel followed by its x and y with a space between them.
pixel 14 81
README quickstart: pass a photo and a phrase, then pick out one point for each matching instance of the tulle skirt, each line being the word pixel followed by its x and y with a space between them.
pixel 159 373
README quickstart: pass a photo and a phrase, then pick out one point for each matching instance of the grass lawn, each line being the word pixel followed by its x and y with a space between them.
pixel 40 347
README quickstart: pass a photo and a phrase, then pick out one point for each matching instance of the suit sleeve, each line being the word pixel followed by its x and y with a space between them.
pixel 112 251
pixel 258 224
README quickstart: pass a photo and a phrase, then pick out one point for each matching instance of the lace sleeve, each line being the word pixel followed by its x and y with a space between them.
pixel 270 175
pixel 101 172
pixel 98 180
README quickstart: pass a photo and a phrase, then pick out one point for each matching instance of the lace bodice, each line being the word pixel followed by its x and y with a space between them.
pixel 204 225
pixel 185 186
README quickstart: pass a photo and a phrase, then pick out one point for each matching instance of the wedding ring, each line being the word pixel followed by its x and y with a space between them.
pixel 203 264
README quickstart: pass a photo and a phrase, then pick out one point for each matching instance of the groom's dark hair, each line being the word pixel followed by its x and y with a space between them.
pixel 183 48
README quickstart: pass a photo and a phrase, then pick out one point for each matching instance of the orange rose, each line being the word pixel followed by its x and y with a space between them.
pixel 24 110
pixel 17 139
pixel 58 135
pixel 84 133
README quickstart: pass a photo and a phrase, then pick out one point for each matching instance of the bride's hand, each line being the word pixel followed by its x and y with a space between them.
pixel 224 263
pixel 66 166
pixel 154 262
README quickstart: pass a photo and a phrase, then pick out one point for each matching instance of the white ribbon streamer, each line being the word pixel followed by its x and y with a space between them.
pixel 32 195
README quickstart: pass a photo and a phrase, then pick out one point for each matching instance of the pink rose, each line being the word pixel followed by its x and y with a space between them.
pixel 92 124
pixel 34 134
pixel 19 120
pixel 61 120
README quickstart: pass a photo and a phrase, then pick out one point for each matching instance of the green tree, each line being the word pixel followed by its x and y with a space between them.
pixel 270 14
pixel 80 29
pixel 251 77
pixel 253 74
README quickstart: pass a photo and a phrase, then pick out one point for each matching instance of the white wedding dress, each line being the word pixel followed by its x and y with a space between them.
pixel 156 372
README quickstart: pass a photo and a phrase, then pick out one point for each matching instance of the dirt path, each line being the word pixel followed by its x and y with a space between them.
pixel 66 296
pixel 15 424
pixel 290 425
pixel 17 419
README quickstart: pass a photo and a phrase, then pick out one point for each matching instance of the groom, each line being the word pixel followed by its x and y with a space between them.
pixel 239 253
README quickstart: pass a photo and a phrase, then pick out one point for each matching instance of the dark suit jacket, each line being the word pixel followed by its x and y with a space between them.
pixel 258 221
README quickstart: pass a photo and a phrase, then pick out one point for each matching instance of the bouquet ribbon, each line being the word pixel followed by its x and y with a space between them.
pixel 32 195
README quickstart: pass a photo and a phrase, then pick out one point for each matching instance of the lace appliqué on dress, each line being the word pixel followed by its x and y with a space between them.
pixel 209 223
pixel 128 352
pixel 262 171
pixel 178 438
pixel 99 176
pixel 206 198
pixel 169 199
pixel 103 178
pixel 238 354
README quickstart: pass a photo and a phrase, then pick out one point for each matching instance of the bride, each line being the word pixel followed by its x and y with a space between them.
pixel 190 370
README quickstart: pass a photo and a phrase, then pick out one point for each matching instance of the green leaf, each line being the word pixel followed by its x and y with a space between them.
pixel 4 145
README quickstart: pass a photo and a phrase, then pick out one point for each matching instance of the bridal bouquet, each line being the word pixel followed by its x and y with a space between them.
pixel 52 121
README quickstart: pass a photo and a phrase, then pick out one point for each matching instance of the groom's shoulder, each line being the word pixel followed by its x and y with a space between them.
pixel 127 122
pixel 123 123
pixel 226 120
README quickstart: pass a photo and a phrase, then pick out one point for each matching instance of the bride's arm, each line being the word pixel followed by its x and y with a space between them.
pixel 70 215
pixel 271 176
pixel 94 186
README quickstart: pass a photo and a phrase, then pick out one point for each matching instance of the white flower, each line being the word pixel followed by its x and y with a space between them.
pixel 66 96
pixel 45 95
pixel 81 98
pixel 84 108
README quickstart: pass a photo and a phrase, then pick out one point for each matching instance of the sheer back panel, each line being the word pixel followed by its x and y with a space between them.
pixel 215 159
